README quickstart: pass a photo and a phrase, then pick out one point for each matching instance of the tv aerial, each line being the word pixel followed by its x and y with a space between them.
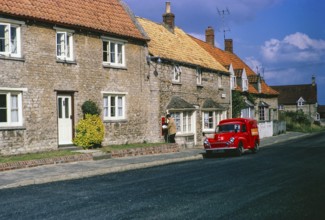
pixel 224 28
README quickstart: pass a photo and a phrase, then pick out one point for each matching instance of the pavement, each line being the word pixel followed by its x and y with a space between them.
pixel 84 169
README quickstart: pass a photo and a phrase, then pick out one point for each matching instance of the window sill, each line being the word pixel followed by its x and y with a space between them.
pixel 199 86
pixel 3 57
pixel 114 67
pixel 110 121
pixel 176 83
pixel 184 134
pixel 67 61
pixel 12 128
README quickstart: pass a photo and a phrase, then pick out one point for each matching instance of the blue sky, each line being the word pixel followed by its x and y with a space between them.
pixel 284 39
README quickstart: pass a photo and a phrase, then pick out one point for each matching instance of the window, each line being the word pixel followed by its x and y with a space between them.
pixel 301 102
pixel 263 113
pixel 233 84
pixel 10 108
pixel 212 118
pixel 114 106
pixel 113 53
pixel 220 82
pixel 177 73
pixel 64 45
pixel 245 84
pixel 10 40
pixel 248 112
pixel 184 121
pixel 198 76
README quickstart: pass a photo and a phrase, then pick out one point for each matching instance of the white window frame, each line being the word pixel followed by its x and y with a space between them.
pixel 184 121
pixel 9 94
pixel 220 82
pixel 198 76
pixel 66 51
pixel 245 84
pixel 113 52
pixel 177 71
pixel 263 113
pixel 301 102
pixel 216 115
pixel 9 25
pixel 119 106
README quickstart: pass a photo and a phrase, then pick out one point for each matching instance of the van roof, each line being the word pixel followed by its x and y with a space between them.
pixel 240 120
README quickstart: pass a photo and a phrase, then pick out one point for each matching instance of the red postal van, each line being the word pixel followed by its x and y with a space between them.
pixel 236 134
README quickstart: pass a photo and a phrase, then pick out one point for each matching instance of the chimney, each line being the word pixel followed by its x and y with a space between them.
pixel 228 45
pixel 169 18
pixel 209 36
pixel 313 80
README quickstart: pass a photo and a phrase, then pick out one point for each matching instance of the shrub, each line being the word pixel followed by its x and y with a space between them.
pixel 90 107
pixel 89 132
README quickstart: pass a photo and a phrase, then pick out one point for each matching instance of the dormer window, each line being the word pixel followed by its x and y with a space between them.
pixel 177 73
pixel 301 102
pixel 64 45
pixel 198 76
pixel 10 38
pixel 244 81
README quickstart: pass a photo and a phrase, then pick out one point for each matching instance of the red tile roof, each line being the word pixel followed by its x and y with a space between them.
pixel 108 16
pixel 226 58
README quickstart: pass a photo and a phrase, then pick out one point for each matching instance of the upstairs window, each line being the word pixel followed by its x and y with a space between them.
pixel 64 45
pixel 301 102
pixel 245 84
pixel 198 76
pixel 220 82
pixel 177 73
pixel 233 83
pixel 10 40
pixel 113 53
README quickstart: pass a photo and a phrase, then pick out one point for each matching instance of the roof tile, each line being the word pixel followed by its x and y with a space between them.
pixel 177 46
pixel 109 16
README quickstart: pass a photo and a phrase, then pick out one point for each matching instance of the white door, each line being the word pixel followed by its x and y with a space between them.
pixel 65 119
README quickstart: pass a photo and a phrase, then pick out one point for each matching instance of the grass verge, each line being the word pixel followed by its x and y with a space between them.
pixel 129 146
pixel 36 156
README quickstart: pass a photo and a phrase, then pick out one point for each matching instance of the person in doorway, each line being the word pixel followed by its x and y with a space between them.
pixel 171 129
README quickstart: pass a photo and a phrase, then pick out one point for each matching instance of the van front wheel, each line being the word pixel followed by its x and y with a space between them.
pixel 240 149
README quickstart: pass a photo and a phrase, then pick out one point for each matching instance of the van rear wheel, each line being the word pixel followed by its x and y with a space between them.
pixel 256 148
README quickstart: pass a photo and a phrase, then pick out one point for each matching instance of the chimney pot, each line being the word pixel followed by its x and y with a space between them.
pixel 169 18
pixel 168 7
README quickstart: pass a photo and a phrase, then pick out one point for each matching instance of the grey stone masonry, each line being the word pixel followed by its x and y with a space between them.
pixel 43 77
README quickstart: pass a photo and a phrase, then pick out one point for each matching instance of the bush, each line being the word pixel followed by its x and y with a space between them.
pixel 90 107
pixel 89 132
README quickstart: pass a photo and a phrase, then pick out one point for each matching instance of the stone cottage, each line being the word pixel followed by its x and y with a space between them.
pixel 301 97
pixel 263 105
pixel 55 55
pixel 185 81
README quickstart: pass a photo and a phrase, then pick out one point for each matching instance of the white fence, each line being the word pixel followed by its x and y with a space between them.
pixel 268 129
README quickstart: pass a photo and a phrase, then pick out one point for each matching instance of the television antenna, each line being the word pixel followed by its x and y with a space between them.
pixel 222 14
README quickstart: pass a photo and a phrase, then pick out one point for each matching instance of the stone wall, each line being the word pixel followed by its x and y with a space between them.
pixel 44 77
pixel 164 89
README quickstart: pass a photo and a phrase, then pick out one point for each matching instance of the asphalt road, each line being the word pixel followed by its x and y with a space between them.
pixel 282 181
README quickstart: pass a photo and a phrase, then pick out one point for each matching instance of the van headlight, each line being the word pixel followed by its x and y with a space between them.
pixel 232 140
pixel 206 142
